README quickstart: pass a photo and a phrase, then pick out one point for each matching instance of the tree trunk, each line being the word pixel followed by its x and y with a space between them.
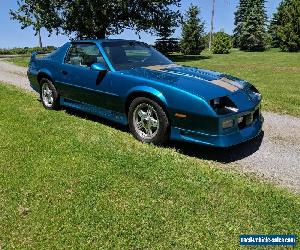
pixel 100 34
pixel 40 39
pixel 212 25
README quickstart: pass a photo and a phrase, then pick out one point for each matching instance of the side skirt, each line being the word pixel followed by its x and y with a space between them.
pixel 91 109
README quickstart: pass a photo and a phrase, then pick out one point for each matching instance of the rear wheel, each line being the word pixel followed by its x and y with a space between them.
pixel 48 94
pixel 148 121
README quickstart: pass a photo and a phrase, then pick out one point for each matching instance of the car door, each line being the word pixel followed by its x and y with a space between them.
pixel 78 82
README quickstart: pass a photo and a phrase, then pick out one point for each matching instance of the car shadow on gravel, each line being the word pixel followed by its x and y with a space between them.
pixel 223 155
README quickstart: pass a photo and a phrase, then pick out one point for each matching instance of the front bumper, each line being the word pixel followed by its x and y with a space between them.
pixel 222 140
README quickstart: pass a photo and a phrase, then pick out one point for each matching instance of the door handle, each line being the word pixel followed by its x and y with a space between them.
pixel 64 72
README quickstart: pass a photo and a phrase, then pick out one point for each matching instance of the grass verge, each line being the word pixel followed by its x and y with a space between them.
pixel 69 182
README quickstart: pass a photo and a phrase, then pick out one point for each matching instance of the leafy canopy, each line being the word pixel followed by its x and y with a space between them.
pixel 192 41
pixel 97 18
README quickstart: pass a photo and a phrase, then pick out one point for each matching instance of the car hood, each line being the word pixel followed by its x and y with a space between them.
pixel 203 83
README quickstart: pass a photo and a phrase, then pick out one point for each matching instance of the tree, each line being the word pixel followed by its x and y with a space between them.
pixel 285 26
pixel 250 31
pixel 192 41
pixel 253 34
pixel 273 29
pixel 166 44
pixel 221 43
pixel 29 17
pixel 98 18
pixel 239 19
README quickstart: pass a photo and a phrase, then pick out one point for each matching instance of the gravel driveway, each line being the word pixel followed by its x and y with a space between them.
pixel 275 154
pixel 13 74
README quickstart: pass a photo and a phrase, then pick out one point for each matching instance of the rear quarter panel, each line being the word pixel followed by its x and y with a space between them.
pixel 48 65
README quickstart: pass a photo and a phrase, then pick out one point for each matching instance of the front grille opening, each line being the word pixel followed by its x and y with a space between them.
pixel 248 119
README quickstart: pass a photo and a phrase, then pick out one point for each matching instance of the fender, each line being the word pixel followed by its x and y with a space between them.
pixel 46 72
pixel 148 90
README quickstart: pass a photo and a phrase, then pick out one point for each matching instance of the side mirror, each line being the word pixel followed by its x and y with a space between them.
pixel 98 67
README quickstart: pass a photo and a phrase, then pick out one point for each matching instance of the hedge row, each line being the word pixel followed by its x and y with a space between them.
pixel 25 50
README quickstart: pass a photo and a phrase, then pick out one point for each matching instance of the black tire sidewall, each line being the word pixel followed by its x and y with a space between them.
pixel 55 105
pixel 163 133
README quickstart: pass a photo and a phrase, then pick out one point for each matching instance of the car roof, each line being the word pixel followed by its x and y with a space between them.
pixel 100 40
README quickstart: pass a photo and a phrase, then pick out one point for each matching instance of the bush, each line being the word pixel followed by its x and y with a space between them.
pixel 26 50
pixel 167 45
pixel 221 43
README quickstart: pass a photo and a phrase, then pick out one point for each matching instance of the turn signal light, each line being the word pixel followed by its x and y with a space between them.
pixel 180 115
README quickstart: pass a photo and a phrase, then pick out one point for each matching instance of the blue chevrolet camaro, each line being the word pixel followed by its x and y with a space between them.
pixel 131 83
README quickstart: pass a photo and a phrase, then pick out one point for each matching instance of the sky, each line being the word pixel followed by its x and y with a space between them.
pixel 12 36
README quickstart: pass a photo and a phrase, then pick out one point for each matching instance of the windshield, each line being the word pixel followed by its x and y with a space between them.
pixel 130 54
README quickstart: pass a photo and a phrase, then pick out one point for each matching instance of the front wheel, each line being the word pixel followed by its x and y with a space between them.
pixel 48 94
pixel 148 121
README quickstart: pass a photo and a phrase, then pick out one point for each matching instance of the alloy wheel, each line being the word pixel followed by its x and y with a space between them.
pixel 145 121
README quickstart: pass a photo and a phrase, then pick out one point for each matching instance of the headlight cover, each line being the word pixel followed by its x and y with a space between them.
pixel 223 105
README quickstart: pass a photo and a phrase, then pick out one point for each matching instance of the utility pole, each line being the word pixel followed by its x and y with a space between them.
pixel 40 38
pixel 212 24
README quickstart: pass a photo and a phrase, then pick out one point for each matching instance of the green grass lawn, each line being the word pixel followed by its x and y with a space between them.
pixel 70 182
pixel 275 73
pixel 22 61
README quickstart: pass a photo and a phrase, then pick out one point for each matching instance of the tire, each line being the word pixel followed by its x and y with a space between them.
pixel 148 122
pixel 50 100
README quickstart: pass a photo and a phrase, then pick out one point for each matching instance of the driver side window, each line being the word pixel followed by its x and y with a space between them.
pixel 84 55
